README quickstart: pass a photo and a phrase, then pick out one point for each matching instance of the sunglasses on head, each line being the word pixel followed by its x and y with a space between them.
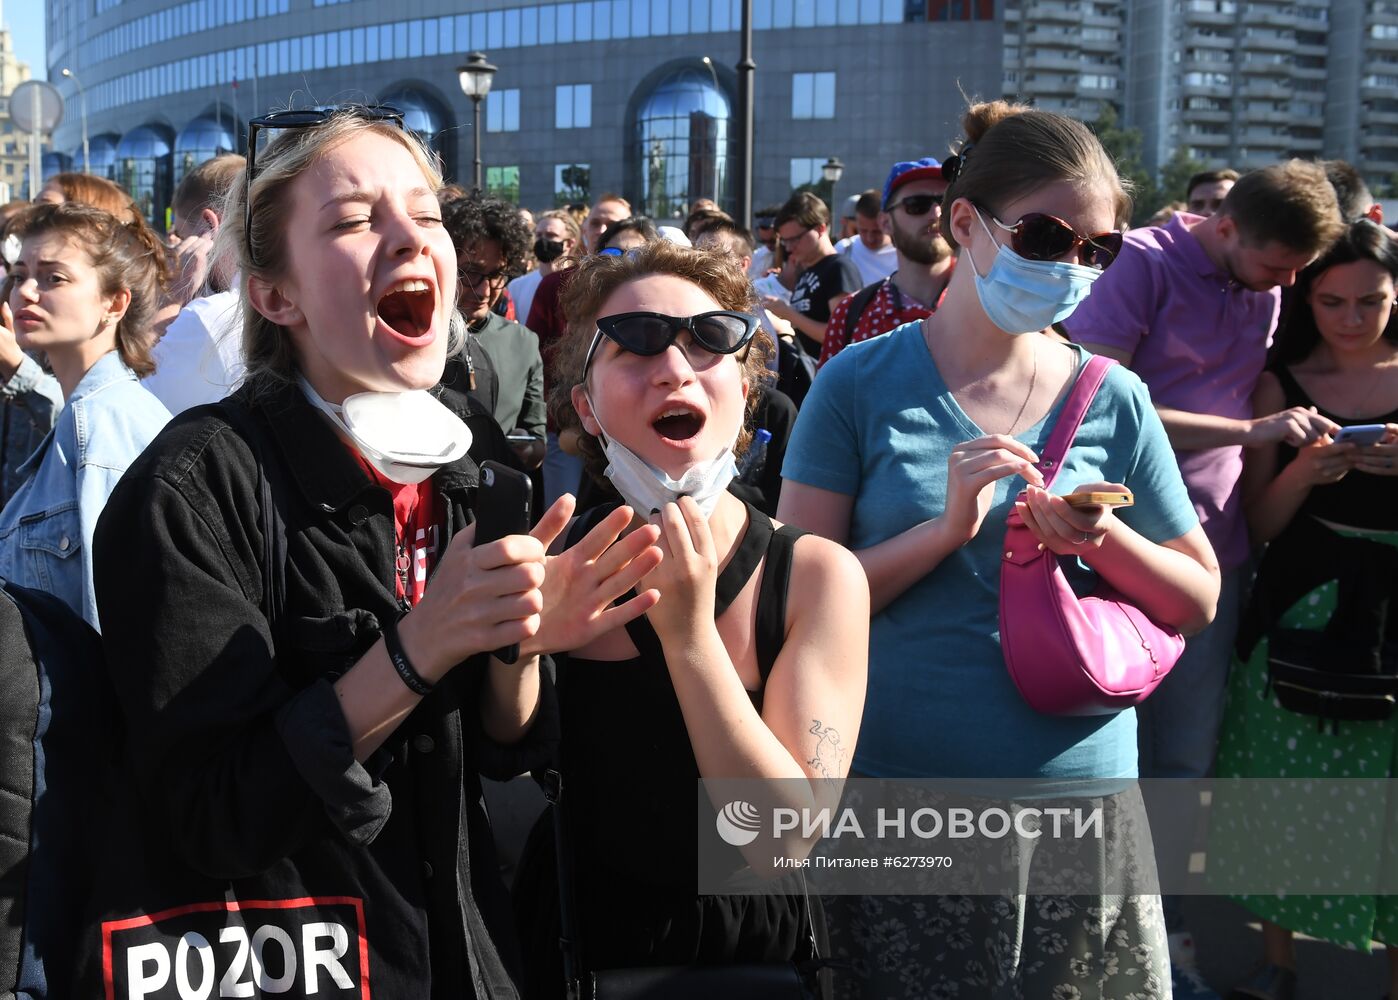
pixel 1037 236
pixel 285 120
pixel 648 333
pixel 917 204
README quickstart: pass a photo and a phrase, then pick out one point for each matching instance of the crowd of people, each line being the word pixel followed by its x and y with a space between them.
pixel 300 723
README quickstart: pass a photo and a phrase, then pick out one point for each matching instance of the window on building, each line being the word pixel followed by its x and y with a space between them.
pixel 805 170
pixel 812 95
pixel 502 111
pixel 572 184
pixel 573 106
pixel 502 182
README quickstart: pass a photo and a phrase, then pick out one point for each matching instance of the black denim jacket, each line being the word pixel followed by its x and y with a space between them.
pixel 238 776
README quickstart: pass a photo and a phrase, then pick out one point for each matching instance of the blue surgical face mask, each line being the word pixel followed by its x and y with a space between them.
pixel 1025 296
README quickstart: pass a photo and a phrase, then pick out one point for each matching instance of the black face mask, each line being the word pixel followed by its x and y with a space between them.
pixel 547 251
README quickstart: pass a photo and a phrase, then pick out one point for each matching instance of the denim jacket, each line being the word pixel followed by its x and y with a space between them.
pixel 46 528
pixel 29 404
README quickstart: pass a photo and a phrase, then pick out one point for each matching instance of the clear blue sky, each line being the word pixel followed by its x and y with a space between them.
pixel 25 19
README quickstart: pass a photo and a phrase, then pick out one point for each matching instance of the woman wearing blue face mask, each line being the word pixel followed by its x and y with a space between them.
pixel 911 450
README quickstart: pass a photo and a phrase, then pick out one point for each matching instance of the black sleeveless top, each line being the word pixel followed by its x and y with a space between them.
pixel 1359 500
pixel 633 805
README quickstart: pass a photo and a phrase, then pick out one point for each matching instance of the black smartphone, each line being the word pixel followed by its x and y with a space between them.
pixel 502 508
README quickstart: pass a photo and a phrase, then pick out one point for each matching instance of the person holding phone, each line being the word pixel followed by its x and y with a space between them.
pixel 911 450
pixel 300 622
pixel 750 665
pixel 1335 498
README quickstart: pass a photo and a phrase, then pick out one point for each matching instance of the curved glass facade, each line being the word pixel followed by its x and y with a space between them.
pixel 145 168
pixel 57 163
pixel 101 154
pixel 424 115
pixel 681 143
pixel 202 139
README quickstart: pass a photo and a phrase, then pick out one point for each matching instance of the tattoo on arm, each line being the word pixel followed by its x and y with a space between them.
pixel 829 751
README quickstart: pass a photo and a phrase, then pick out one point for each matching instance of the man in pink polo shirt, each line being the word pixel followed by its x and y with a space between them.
pixel 1191 307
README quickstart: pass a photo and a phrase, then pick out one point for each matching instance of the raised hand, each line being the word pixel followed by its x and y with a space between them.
pixel 581 582
pixel 687 577
pixel 973 468
pixel 480 598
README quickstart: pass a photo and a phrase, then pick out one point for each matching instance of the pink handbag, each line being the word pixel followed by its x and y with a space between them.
pixel 1071 655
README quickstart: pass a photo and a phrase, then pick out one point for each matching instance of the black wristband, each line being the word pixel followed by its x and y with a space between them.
pixel 415 682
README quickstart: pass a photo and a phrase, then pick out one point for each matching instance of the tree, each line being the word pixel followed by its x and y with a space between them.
pixel 1175 175
pixel 1123 145
pixel 574 185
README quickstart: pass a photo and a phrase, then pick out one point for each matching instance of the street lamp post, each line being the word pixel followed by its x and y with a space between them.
pixel 82 105
pixel 747 67
pixel 831 171
pixel 709 63
pixel 476 76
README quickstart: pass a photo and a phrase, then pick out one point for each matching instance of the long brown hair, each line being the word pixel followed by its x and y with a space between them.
pixel 126 255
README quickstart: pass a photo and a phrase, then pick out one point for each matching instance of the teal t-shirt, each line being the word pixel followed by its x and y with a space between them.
pixel 879 425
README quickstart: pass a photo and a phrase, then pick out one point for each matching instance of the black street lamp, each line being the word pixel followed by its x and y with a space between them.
pixel 831 171
pixel 475 78
pixel 747 69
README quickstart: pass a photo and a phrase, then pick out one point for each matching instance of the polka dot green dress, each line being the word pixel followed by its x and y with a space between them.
pixel 1261 739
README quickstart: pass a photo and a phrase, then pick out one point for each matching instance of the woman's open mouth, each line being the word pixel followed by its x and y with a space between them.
pixel 679 424
pixel 407 310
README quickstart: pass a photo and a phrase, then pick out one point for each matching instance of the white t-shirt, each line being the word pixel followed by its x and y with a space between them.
pixel 761 262
pixel 522 290
pixel 874 265
pixel 200 358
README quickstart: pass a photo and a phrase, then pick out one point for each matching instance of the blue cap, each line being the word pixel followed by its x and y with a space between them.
pixel 910 170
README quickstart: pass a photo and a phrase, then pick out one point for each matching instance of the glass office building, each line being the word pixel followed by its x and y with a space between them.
pixel 591 96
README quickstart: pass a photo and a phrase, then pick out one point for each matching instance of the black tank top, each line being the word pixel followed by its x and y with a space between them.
pixel 1359 500
pixel 625 749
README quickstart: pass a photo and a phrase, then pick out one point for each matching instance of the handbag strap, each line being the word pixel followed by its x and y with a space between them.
pixel 1089 380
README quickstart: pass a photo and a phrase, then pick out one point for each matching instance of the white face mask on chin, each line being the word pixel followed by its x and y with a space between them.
pixel 647 489
pixel 405 436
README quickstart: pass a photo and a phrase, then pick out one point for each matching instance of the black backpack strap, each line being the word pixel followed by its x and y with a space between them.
pixel 274 550
pixel 771 599
pixel 858 304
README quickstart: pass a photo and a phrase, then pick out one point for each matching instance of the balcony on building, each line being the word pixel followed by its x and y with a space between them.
pixel 1211 116
pixel 1270 64
pixel 1270 15
pixel 1197 38
pixel 1041 38
pixel 1051 85
pixel 1379 113
pixel 1056 62
pixel 1210 12
pixel 1254 114
pixel 1268 40
pixel 1213 139
pixel 1052 11
pixel 1381 12
pixel 1266 90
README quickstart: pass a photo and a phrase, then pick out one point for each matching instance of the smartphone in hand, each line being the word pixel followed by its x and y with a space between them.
pixel 1361 434
pixel 502 508
pixel 1100 498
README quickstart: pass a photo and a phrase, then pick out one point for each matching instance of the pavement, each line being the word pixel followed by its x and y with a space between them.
pixel 1228 942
